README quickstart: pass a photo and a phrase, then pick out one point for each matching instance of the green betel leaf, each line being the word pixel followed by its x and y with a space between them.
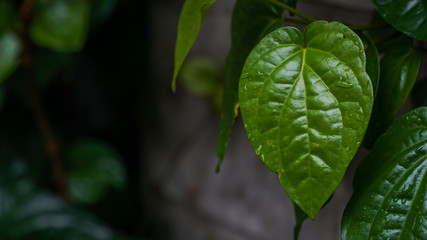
pixel 60 25
pixel 409 17
pixel 399 69
pixel 252 20
pixel 306 102
pixel 372 61
pixel 390 185
pixel 192 15
pixel 93 168
pixel 10 49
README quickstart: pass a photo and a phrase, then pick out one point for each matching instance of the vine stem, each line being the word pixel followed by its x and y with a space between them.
pixel 292 10
pixel 50 143
pixel 386 38
pixel 298 21
pixel 369 27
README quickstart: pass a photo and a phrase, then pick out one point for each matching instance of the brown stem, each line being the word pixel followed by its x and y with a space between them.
pixel 50 143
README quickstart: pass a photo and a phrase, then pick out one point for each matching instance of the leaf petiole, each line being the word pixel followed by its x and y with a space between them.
pixel 292 10
pixel 369 27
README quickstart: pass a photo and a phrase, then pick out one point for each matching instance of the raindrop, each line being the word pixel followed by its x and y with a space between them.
pixel 347 149
pixel 343 84
pixel 258 150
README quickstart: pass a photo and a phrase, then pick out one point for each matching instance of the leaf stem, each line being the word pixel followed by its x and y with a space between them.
pixel 386 38
pixel 292 10
pixel 50 143
pixel 298 21
pixel 369 27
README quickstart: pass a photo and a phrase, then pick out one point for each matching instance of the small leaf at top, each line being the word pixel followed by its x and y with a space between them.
pixel 60 25
pixel 306 102
pixel 399 69
pixel 390 185
pixel 10 49
pixel 252 20
pixel 409 17
pixel 93 168
pixel 192 15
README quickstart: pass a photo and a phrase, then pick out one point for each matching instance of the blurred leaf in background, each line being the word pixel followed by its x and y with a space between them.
pixel 61 25
pixel 202 77
pixel 29 213
pixel 93 168
pixel 10 48
pixel 101 10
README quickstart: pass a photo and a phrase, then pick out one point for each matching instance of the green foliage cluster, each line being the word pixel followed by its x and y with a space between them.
pixel 310 100
pixel 94 169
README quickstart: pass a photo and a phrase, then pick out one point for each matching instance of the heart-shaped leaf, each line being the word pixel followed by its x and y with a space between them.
pixel 252 20
pixel 192 15
pixel 399 69
pixel 306 102
pixel 409 17
pixel 390 185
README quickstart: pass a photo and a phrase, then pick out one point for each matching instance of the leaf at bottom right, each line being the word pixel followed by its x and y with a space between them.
pixel 390 185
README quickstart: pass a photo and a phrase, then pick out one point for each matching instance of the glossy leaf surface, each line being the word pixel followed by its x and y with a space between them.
pixel 409 17
pixel 399 69
pixel 192 15
pixel 390 185
pixel 93 168
pixel 60 25
pixel 372 61
pixel 10 49
pixel 306 102
pixel 252 20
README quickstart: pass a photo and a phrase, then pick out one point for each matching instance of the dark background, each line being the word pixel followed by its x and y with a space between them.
pixel 117 89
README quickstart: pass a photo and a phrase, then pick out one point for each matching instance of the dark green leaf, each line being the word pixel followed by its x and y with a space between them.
pixel 409 17
pixel 389 199
pixel 419 96
pixel 372 61
pixel 399 69
pixel 192 15
pixel 252 20
pixel 200 76
pixel 306 102
pixel 60 25
pixel 10 49
pixel 93 167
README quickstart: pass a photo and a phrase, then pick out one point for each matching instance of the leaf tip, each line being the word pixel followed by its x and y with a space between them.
pixel 173 85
